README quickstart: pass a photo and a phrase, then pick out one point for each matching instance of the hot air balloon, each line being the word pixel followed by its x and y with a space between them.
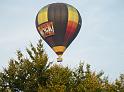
pixel 58 24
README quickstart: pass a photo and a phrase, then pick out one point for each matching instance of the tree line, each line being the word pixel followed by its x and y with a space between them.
pixel 34 73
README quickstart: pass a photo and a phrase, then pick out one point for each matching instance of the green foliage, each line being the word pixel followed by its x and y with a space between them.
pixel 119 83
pixel 26 74
pixel 35 74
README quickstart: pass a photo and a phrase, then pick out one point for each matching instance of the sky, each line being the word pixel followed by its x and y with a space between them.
pixel 99 43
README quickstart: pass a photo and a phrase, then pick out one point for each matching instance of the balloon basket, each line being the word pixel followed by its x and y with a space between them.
pixel 59 59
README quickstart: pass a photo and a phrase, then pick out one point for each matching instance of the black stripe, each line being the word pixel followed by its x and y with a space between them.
pixel 59 53
pixel 58 14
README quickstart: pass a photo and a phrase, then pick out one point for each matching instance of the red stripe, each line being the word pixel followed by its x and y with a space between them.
pixel 70 30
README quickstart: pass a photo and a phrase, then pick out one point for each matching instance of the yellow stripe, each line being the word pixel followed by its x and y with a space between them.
pixel 43 15
pixel 59 48
pixel 72 14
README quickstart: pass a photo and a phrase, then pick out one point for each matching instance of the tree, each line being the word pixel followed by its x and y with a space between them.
pixel 119 83
pixel 86 80
pixel 59 79
pixel 35 74
pixel 26 74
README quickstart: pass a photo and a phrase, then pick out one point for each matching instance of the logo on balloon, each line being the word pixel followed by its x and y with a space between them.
pixel 46 29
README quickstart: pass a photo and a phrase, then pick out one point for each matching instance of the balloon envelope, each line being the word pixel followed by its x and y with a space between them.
pixel 58 24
